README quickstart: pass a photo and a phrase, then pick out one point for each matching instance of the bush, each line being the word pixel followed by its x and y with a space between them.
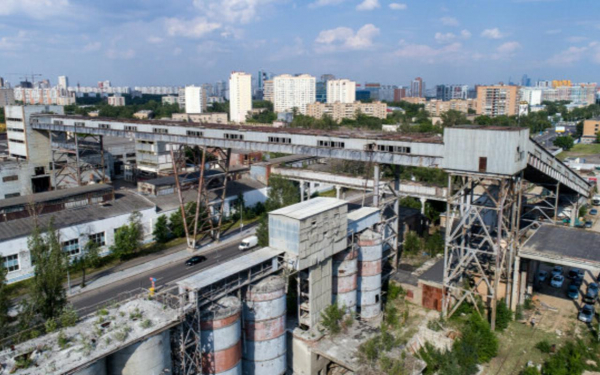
pixel 63 341
pixel 50 325
pixel 503 316
pixel 147 323
pixel 544 346
pixel 391 316
pixel 530 371
pixel 331 318
pixel 569 360
pixel 528 304
pixel 68 317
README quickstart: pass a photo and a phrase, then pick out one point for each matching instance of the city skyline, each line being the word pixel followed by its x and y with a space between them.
pixel 148 42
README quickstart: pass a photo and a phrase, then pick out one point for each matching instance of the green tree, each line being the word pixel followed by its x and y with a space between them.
pixel 412 243
pixel 282 193
pixel 47 291
pixel 598 137
pixel 569 360
pixel 176 224
pixel 530 371
pixel 128 238
pixel 88 259
pixel 478 342
pixel 435 243
pixel 564 142
pixel 161 229
pixel 331 318
pixel 4 301
pixel 453 117
pixel 503 316
pixel 262 231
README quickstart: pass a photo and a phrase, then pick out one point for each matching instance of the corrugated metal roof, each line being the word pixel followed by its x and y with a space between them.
pixel 362 213
pixel 435 274
pixel 124 203
pixel 219 272
pixel 566 242
pixel 53 195
pixel 309 208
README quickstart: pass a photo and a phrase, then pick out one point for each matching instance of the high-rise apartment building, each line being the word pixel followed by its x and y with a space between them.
pixel 116 100
pixel 499 100
pixel 400 93
pixel 268 90
pixel 417 88
pixel 449 92
pixel 63 85
pixel 339 111
pixel 531 95
pixel 293 92
pixel 7 97
pixel 341 91
pixel 195 99
pixel 1 82
pixel 240 96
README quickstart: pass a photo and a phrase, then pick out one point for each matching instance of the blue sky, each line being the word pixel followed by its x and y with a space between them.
pixel 162 42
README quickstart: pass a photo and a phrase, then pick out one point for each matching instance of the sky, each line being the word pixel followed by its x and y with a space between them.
pixel 178 42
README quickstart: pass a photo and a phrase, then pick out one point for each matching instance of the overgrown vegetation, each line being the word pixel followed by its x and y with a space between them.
pixel 503 316
pixel 331 318
pixel 133 105
pixel 282 193
pixel 128 238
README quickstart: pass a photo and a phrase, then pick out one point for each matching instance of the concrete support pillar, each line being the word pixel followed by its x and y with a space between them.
pixel 423 201
pixel 302 193
pixel 515 295
pixel 376 185
pixel 338 191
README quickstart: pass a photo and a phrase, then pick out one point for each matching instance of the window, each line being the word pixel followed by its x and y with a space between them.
pixel 234 136
pixel 331 144
pixel 71 247
pixel 40 171
pixel 14 119
pixel 397 149
pixel 15 130
pixel 160 130
pixel 15 140
pixel 12 195
pixel 194 133
pixel 58 122
pixel 103 126
pixel 132 155
pixel 10 178
pixel 283 140
pixel 11 262
pixel 482 164
pixel 98 238
pixel 79 123
pixel 130 128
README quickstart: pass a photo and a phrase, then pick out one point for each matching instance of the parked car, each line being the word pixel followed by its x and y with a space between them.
pixel 588 224
pixel 573 292
pixel 557 270
pixel 593 289
pixel 575 273
pixel 195 260
pixel 586 314
pixel 248 243
pixel 543 276
pixel 557 281
pixel 577 281
pixel 593 211
pixel 590 298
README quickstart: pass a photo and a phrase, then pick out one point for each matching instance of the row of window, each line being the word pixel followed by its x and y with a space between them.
pixel 160 130
pixel 234 136
pixel 130 128
pixel 11 262
pixel 15 140
pixel 103 126
pixel 283 140
pixel 15 130
pixel 331 144
pixel 195 133
pixel 14 119
pixel 10 178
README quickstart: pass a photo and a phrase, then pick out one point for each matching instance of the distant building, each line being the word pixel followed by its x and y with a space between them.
pixel 339 111
pixel 207 118
pixel 2 82
pixel 363 95
pixel 144 114
pixel 531 95
pixel 373 89
pixel 438 107
pixel 591 127
pixel 499 100
pixel 416 100
pixel 322 92
pixel 240 96
pixel 195 99
pixel 268 91
pixel 170 99
pixel 116 101
pixel 576 93
pixel 525 81
pixel 417 88
pixel 7 97
pixel 400 93
pixel 341 91
pixel 63 85
pixel 293 92
pixel 449 92
pixel 386 93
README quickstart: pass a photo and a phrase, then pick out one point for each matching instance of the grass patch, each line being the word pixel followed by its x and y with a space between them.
pixel 581 149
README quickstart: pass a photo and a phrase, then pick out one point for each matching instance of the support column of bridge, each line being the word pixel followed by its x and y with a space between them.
pixel 481 230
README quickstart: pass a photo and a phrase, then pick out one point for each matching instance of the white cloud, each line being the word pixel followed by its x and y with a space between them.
pixel 16 42
pixel 368 5
pixel 423 52
pixel 445 38
pixel 324 3
pixel 232 11
pixel 92 46
pixel 466 34
pixel 569 56
pixel 492 33
pixel 115 54
pixel 33 8
pixel 553 31
pixel 344 38
pixel 155 39
pixel 290 51
pixel 576 39
pixel 398 6
pixel 509 48
pixel 195 28
pixel 449 21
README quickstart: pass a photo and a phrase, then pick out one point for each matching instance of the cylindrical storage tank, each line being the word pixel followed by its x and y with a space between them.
pixel 345 275
pixel 221 337
pixel 151 356
pixel 96 368
pixel 264 328
pixel 370 252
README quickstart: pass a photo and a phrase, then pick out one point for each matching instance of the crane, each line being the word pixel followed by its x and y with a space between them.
pixel 25 76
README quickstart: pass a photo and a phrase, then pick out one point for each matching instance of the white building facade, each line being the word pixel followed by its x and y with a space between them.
pixel 341 91
pixel 240 96
pixel 291 92
pixel 195 99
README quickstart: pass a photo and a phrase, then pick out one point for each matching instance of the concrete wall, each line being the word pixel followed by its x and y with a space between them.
pixel 320 290
pixel 151 356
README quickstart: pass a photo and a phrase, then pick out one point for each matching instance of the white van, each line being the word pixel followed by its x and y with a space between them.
pixel 248 243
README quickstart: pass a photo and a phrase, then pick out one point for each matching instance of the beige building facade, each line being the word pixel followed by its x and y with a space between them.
pixel 437 107
pixel 499 100
pixel 339 111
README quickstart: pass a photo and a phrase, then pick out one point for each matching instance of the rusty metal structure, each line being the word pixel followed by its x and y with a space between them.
pixel 202 217
pixel 73 155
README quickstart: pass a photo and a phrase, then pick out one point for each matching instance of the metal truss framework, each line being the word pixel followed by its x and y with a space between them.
pixel 202 218
pixel 387 199
pixel 185 341
pixel 539 208
pixel 481 239
pixel 73 155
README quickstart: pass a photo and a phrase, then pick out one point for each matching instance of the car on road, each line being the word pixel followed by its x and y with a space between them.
pixel 588 224
pixel 586 314
pixel 557 270
pixel 593 211
pixel 575 273
pixel 557 281
pixel 573 292
pixel 543 276
pixel 195 260
pixel 248 243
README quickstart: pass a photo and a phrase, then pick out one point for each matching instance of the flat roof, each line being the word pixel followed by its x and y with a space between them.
pixel 53 195
pixel 124 204
pixel 485 127
pixel 309 208
pixel 221 271
pixel 170 180
pixel 286 159
pixel 361 213
pixel 434 274
pixel 556 242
